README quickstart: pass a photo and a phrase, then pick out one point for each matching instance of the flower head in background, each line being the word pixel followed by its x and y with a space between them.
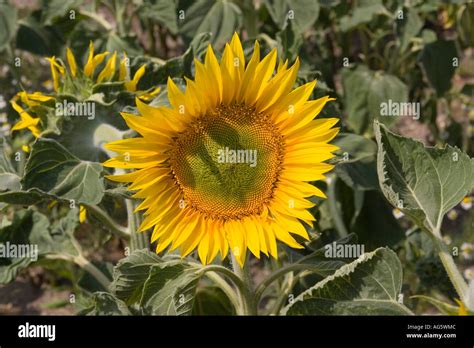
pixel 228 164
pixel 73 80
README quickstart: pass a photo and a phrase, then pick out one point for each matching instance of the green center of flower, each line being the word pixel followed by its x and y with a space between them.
pixel 228 161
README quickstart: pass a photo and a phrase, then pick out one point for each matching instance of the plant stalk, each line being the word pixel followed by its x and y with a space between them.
pixel 138 240
pixel 103 217
pixel 450 266
pixel 246 292
pixel 89 267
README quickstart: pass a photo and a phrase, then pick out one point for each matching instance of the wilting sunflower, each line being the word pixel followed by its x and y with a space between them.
pixel 76 82
pixel 197 191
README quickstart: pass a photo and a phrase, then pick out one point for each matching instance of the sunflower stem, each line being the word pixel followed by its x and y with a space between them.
pixel 249 303
pixel 450 266
pixel 138 240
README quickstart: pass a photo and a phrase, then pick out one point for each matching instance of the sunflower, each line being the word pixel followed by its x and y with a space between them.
pixel 196 190
pixel 77 82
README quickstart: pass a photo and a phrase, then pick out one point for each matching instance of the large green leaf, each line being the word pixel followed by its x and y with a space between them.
pixel 104 303
pixel 26 228
pixel 55 171
pixel 438 62
pixel 302 14
pixel 32 36
pixel 170 289
pixel 365 91
pixel 160 286
pixel 33 228
pixel 363 13
pixel 53 9
pixel 221 18
pixel 130 274
pixel 162 11
pixel 368 286
pixel 423 182
pixel 289 42
pixel 8 24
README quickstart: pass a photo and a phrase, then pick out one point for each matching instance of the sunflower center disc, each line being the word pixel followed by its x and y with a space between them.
pixel 228 161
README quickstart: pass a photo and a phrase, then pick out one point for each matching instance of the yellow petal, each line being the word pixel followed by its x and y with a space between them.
pixel 72 62
pixel 82 214
pixel 123 67
pixel 109 70
pixel 89 67
pixel 131 86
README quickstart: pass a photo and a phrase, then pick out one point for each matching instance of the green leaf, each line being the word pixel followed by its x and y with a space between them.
pixel 126 43
pixel 358 165
pixel 8 24
pixel 408 27
pixel 289 42
pixel 212 300
pixel 53 9
pixel 170 289
pixel 423 182
pixel 221 18
pixel 368 286
pixel 302 14
pixel 361 14
pixel 160 287
pixel 29 197
pixel 60 240
pixel 438 62
pixel 106 304
pixel 26 228
pixel 465 24
pixel 53 170
pixel 9 180
pixel 33 228
pixel 162 11
pixel 369 225
pixel 157 74
pixel 32 36
pixel 364 93
pixel 130 274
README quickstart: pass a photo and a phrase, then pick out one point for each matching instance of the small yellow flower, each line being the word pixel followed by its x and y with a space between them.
pixel 25 148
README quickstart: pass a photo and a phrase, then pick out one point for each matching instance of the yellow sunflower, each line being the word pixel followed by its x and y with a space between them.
pixel 77 82
pixel 228 164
